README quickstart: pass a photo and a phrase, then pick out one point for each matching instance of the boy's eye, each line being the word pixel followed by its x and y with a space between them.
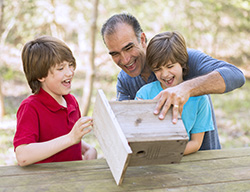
pixel 156 69
pixel 169 65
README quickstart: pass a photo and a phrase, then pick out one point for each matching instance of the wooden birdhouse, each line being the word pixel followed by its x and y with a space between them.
pixel 131 135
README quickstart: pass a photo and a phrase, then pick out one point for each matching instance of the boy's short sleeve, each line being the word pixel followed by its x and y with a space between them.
pixel 204 120
pixel 27 130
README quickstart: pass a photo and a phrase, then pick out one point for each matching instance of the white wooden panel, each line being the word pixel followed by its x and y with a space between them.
pixel 111 137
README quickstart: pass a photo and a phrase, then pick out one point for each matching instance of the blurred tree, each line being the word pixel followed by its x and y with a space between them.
pixel 2 110
pixel 89 80
pixel 220 28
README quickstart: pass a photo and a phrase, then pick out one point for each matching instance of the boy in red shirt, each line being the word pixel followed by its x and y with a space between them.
pixel 49 124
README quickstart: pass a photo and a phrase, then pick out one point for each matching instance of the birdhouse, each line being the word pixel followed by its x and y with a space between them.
pixel 130 134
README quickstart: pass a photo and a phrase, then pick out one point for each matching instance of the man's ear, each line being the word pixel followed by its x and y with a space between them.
pixel 143 40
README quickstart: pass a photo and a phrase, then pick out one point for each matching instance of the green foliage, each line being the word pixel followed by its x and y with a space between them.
pixel 232 114
pixel 218 27
pixel 236 101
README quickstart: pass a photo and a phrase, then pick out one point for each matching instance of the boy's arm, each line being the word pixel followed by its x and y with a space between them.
pixel 88 151
pixel 31 153
pixel 194 144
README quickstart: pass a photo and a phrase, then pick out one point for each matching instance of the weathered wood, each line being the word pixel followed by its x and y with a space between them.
pixel 218 170
pixel 152 141
pixel 138 122
pixel 111 137
pixel 156 152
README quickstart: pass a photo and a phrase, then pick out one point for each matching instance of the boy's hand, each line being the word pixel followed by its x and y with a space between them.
pixel 89 154
pixel 81 127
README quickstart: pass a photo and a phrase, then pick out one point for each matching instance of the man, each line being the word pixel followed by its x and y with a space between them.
pixel 127 44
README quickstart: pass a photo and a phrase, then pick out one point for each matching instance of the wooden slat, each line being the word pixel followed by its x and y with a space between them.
pixel 152 141
pixel 156 152
pixel 217 154
pixel 192 176
pixel 138 122
pixel 111 137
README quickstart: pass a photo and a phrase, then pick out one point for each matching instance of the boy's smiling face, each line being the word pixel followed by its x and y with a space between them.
pixel 58 81
pixel 169 74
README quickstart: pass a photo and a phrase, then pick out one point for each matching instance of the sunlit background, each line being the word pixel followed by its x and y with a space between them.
pixel 217 27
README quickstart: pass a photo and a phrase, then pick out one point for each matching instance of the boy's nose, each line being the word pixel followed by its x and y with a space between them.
pixel 70 71
pixel 165 73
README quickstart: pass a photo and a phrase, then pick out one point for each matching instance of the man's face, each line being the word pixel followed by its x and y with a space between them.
pixel 126 51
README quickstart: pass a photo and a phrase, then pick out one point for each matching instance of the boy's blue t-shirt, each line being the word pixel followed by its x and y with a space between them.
pixel 196 114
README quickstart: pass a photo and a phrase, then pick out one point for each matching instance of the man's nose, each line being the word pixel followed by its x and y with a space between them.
pixel 124 58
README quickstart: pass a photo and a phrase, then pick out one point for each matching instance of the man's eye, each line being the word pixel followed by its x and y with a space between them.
pixel 128 48
pixel 113 54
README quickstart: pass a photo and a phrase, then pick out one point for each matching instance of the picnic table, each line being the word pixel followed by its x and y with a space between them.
pixel 214 170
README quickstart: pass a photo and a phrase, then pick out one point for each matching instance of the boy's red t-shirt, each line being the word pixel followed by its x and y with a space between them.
pixel 40 118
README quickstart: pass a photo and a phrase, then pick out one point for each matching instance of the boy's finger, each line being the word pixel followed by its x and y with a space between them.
pixel 85 119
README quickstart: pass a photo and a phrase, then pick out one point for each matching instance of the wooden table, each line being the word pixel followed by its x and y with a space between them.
pixel 215 170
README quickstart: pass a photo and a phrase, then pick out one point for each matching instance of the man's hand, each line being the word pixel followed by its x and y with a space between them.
pixel 175 96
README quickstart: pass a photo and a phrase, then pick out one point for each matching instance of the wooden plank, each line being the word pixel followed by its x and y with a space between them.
pixel 156 152
pixel 152 141
pixel 138 122
pixel 111 137
pixel 47 168
pixel 231 154
pixel 188 175
pixel 217 154
pixel 94 187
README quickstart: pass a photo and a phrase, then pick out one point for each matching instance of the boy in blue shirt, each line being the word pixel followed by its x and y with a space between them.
pixel 167 57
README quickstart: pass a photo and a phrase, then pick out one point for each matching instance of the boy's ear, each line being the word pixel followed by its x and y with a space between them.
pixel 42 79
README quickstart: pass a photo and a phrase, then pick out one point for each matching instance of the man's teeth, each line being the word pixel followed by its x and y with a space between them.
pixel 129 64
pixel 67 81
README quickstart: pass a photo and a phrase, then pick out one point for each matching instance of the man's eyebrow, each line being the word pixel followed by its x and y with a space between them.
pixel 124 48
pixel 127 46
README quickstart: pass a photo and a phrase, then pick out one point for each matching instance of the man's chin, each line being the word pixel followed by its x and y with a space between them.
pixel 133 73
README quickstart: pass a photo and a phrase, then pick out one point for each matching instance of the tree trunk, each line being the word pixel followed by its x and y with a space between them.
pixel 2 110
pixel 90 73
